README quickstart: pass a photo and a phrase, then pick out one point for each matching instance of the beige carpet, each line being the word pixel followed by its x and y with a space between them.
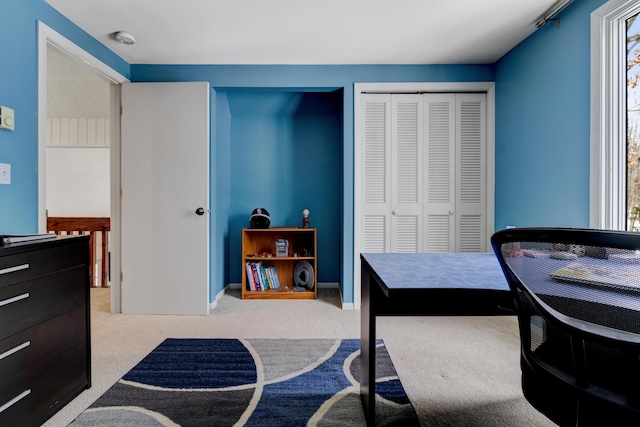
pixel 457 371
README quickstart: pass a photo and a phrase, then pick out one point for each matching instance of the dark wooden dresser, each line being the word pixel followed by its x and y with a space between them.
pixel 45 346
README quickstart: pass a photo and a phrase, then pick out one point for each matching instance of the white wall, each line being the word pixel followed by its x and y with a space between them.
pixel 78 181
pixel 77 156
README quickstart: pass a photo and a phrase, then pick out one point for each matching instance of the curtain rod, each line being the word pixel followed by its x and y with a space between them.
pixel 553 12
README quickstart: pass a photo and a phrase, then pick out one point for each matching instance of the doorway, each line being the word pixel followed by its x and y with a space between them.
pixel 78 158
pixel 50 39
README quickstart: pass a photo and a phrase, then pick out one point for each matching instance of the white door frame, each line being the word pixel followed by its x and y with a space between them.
pixel 358 90
pixel 47 35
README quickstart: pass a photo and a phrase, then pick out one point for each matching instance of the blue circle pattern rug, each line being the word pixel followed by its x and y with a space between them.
pixel 251 382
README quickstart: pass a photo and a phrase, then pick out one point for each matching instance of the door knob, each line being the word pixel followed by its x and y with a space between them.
pixel 200 211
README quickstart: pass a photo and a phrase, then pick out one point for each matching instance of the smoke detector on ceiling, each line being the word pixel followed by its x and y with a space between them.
pixel 125 38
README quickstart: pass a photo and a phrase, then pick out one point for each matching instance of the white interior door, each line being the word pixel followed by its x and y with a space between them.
pixel 164 180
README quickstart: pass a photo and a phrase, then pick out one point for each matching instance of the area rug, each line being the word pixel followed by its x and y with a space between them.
pixel 251 382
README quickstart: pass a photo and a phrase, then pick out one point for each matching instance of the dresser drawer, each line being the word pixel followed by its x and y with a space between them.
pixel 35 399
pixel 26 304
pixel 25 353
pixel 31 264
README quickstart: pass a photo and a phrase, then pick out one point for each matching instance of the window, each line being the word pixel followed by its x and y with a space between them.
pixel 633 122
pixel 608 206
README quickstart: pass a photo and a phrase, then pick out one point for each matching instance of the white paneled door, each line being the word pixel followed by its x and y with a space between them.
pixel 424 173
pixel 165 198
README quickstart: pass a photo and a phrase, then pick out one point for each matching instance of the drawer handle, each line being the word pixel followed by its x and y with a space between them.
pixel 12 269
pixel 14 299
pixel 15 350
pixel 15 400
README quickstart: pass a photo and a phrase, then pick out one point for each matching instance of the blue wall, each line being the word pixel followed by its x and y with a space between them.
pixel 285 157
pixel 220 192
pixel 542 125
pixel 542 128
pixel 332 208
pixel 19 90
pixel 253 93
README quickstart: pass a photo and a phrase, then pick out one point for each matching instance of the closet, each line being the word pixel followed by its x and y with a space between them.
pixel 424 172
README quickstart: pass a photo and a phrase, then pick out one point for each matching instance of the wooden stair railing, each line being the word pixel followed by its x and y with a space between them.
pixel 91 226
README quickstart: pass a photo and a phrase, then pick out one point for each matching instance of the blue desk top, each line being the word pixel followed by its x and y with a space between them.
pixel 474 271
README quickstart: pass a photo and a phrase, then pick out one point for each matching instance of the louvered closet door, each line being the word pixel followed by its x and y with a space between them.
pixel 376 197
pixel 424 174
pixel 471 172
pixel 406 173
pixel 440 176
pixel 455 175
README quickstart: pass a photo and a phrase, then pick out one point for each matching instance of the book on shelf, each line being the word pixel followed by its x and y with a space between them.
pixel 255 266
pixel 251 282
pixel 274 277
pixel 260 277
pixel 6 239
pixel 263 278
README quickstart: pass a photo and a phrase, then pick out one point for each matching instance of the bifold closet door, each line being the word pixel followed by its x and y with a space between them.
pixel 440 175
pixel 455 176
pixel 406 173
pixel 424 174
pixel 393 184
pixel 376 176
pixel 471 172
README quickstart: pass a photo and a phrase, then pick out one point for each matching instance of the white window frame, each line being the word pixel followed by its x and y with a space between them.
pixel 608 184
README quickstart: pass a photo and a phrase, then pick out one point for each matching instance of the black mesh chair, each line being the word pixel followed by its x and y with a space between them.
pixel 577 293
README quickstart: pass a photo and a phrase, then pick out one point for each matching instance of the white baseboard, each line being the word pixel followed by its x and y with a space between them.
pixel 219 295
pixel 346 305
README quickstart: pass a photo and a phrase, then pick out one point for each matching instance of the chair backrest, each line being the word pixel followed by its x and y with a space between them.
pixel 577 293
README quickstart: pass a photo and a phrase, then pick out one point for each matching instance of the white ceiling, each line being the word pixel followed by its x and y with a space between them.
pixel 309 31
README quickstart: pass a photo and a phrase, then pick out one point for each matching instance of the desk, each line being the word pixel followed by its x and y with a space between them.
pixel 446 284
pixel 600 304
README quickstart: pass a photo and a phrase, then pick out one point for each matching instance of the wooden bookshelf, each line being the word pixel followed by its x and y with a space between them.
pixel 257 243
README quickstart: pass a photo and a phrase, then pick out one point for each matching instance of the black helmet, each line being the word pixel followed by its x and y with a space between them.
pixel 260 218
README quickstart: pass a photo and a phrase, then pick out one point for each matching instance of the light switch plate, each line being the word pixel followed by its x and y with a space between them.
pixel 6 118
pixel 5 173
